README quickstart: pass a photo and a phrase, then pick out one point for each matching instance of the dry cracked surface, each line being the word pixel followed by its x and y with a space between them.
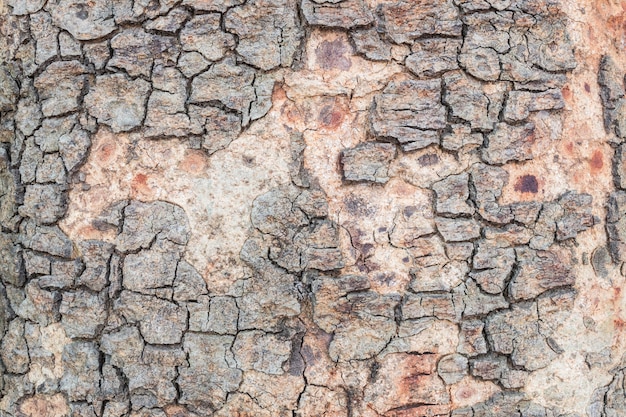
pixel 353 208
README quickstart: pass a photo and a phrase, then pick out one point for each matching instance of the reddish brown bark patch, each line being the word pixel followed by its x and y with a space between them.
pixel 596 162
pixel 331 116
pixel 567 93
pixel 106 152
pixel 139 184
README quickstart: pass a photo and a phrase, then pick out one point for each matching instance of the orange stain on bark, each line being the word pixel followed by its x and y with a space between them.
pixel 194 162
pixel 567 93
pixel 139 184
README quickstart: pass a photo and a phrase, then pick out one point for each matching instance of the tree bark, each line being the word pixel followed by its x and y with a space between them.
pixel 312 208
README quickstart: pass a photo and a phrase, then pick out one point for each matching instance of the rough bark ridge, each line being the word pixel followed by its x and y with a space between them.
pixel 312 208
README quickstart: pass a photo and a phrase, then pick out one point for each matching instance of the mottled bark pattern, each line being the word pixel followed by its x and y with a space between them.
pixel 305 208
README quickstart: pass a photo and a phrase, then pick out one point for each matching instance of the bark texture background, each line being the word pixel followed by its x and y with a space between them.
pixel 312 208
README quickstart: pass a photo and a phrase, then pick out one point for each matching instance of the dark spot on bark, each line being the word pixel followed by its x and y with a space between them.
pixel 367 247
pixel 385 277
pixel 357 206
pixel 428 159
pixel 409 211
pixel 331 116
pixel 332 55
pixel 600 258
pixel 382 229
pixel 307 353
pixel 102 225
pixel 406 260
pixel 587 88
pixel 154 6
pixel 372 266
pixel 526 184
pixel 296 361
pixel 374 371
pixel 248 160
pixel 82 12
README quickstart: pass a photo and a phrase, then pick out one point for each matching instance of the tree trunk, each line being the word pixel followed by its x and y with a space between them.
pixel 312 208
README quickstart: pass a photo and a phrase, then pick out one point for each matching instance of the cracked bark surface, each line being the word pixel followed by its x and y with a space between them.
pixel 312 208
